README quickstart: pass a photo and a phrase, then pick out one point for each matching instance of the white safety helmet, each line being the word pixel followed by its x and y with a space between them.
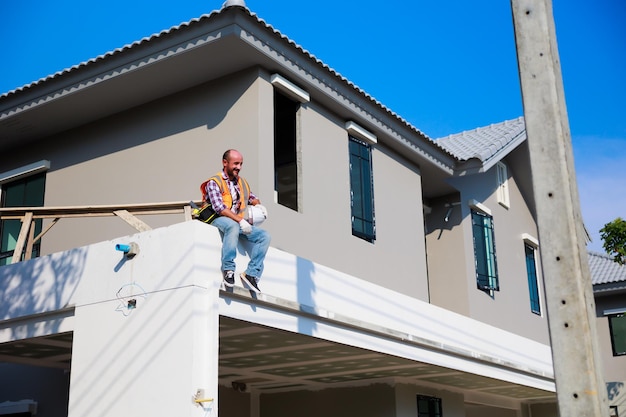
pixel 255 216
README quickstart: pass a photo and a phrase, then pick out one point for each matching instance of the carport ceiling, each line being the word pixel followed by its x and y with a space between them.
pixel 270 360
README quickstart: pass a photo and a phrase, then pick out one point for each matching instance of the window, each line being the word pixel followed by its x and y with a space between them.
pixel 617 327
pixel 285 151
pixel 23 192
pixel 503 184
pixel 428 406
pixel 287 100
pixel 484 251
pixel 531 271
pixel 361 190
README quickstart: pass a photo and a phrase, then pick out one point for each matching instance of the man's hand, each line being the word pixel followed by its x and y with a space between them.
pixel 246 229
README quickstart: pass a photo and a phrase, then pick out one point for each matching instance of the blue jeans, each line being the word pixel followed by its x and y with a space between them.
pixel 259 240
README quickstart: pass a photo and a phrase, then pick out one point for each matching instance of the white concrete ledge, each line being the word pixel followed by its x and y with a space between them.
pixel 336 306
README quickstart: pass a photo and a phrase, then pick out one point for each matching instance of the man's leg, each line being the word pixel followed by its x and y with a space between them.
pixel 229 231
pixel 260 240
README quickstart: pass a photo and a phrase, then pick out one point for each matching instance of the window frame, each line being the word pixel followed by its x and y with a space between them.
pixel 502 178
pixel 612 331
pixel 287 165
pixel 533 278
pixel 286 148
pixel 485 259
pixel 362 215
pixel 23 175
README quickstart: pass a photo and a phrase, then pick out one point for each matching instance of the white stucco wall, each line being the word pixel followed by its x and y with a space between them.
pixel 149 360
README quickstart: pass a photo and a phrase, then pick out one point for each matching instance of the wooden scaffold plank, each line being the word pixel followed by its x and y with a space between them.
pixel 21 239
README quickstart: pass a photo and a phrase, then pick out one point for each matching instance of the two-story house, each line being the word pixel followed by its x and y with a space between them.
pixel 403 277
pixel 609 290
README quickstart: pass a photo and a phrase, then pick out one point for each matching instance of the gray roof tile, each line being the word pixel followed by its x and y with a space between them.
pixel 485 143
pixel 604 270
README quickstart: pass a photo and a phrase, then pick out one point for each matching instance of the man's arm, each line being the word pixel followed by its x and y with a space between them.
pixel 253 200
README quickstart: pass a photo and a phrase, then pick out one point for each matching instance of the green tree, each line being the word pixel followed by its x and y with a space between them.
pixel 613 235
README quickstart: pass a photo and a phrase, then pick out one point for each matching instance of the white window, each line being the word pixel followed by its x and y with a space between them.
pixel 503 184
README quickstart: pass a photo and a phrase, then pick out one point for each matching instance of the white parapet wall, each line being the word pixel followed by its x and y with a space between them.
pixel 146 327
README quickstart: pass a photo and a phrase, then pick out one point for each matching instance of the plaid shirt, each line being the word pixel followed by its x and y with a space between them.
pixel 215 195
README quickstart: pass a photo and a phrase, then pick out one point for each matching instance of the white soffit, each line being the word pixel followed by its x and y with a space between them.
pixel 30 169
pixel 614 311
pixel 479 206
pixel 531 240
pixel 290 88
pixel 360 132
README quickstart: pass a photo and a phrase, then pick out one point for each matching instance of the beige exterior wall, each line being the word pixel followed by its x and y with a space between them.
pixel 162 151
pixel 614 367
pixel 375 400
pixel 447 257
pixel 379 400
pixel 155 153
pixel 452 266
pixel 321 229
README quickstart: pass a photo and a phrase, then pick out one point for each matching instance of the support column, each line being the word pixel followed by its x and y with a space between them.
pixel 146 328
pixel 153 360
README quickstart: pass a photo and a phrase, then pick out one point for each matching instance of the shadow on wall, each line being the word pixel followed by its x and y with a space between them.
pixel 443 217
pixel 616 393
pixel 205 105
pixel 305 286
pixel 40 285
pixel 306 289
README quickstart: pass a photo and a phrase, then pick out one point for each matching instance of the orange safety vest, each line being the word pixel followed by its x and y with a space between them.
pixel 244 192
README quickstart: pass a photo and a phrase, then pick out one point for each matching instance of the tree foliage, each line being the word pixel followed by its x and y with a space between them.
pixel 613 235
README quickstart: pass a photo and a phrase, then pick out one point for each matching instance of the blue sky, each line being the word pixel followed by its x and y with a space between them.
pixel 444 66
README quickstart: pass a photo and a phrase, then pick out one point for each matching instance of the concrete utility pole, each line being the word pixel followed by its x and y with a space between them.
pixel 580 386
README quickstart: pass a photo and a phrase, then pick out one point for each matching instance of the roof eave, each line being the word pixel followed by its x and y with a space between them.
pixel 23 114
pixel 178 58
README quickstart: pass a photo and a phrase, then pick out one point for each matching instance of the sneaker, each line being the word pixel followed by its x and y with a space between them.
pixel 229 278
pixel 251 282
